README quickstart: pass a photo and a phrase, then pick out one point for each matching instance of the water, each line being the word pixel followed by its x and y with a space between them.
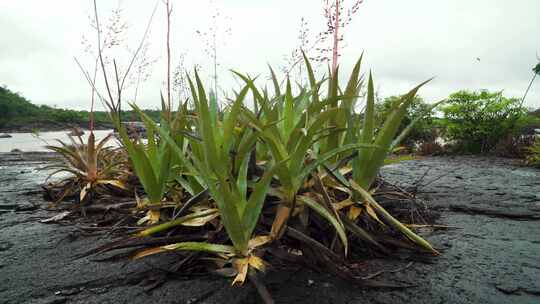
pixel 29 142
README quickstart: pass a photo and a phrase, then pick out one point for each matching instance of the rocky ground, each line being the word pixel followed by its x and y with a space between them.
pixel 491 256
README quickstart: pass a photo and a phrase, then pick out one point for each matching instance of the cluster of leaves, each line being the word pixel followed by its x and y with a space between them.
pixel 476 121
pixel 419 111
pixel 91 166
pixel 536 69
pixel 18 111
pixel 294 173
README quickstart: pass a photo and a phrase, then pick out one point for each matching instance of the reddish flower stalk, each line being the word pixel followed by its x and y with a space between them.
pixel 91 116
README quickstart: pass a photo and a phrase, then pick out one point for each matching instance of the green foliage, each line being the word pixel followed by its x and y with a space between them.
pixel 292 125
pixel 366 166
pixel 422 130
pixel 533 158
pixel 267 175
pixel 151 161
pixel 536 69
pixel 227 184
pixel 17 110
pixel 476 121
pixel 20 113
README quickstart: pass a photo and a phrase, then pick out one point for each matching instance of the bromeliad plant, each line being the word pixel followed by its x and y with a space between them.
pixel 368 160
pixel 90 165
pixel 274 178
pixel 226 183
pixel 151 162
pixel 292 178
pixel 291 127
pixel 333 115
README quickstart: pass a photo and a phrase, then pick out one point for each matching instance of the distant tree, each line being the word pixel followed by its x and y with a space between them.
pixel 423 128
pixel 476 121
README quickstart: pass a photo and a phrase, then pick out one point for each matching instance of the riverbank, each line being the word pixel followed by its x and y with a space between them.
pixel 26 142
pixel 488 256
pixel 53 127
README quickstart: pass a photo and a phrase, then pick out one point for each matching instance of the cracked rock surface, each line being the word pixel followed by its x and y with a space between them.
pixel 492 258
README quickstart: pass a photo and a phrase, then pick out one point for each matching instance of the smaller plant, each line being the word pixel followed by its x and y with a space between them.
pixel 91 166
pixel 151 161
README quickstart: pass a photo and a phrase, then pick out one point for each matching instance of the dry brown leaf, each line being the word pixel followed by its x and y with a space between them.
pixel 84 191
pixel 372 213
pixel 201 221
pixel 343 204
pixel 241 266
pixel 154 216
pixel 150 251
pixel 354 212
pixel 257 263
pixel 282 215
pixel 258 241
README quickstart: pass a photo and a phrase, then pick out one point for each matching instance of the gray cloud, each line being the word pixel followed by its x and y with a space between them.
pixel 405 42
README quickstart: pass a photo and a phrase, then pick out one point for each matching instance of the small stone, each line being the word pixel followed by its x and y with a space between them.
pixel 99 290
pixel 507 289
pixel 69 292
pixel 5 246
pixel 26 207
pixel 310 282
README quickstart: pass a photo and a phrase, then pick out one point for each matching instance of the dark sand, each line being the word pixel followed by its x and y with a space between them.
pixel 493 258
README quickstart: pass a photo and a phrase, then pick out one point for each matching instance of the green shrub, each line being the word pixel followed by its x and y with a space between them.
pixel 18 112
pixel 422 130
pixel 533 158
pixel 287 150
pixel 476 121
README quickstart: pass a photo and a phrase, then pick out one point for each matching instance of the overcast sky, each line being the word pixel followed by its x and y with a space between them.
pixel 466 44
